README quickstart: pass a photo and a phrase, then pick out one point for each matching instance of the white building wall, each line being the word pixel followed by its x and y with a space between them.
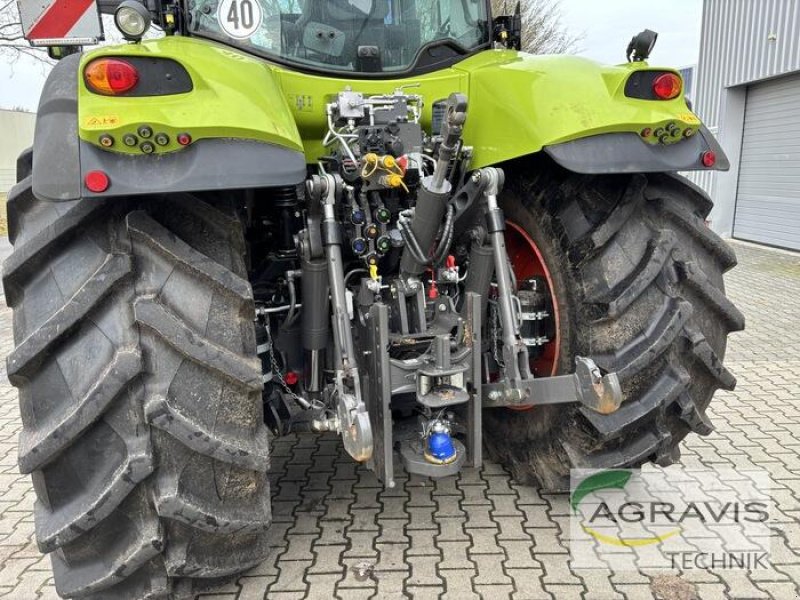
pixel 742 42
pixel 16 134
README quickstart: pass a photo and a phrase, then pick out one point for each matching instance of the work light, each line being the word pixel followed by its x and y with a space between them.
pixel 132 19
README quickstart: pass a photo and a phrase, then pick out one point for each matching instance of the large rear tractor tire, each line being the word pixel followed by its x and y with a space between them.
pixel 140 391
pixel 636 283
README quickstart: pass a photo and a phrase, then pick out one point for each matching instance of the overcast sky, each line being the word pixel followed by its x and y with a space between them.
pixel 607 27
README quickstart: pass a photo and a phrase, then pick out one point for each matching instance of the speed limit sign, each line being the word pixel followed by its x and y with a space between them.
pixel 239 19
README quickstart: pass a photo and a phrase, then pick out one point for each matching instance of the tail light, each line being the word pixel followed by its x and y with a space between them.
pixel 110 76
pixel 667 86
pixel 97 182
pixel 649 84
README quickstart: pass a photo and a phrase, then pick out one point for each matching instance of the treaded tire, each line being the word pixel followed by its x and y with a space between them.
pixel 140 391
pixel 638 281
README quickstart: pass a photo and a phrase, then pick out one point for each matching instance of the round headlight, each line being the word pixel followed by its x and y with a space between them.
pixel 132 19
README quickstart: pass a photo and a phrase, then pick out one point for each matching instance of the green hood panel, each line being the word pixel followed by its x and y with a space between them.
pixel 519 103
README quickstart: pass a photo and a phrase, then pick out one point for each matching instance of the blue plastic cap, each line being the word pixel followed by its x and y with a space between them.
pixel 359 246
pixel 440 446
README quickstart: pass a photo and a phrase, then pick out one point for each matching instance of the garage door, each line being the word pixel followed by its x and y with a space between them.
pixel 768 198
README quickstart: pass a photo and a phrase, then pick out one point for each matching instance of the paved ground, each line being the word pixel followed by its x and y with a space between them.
pixel 338 535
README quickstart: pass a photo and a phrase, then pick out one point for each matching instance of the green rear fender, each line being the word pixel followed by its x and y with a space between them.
pixel 521 104
pixel 242 133
pixel 233 96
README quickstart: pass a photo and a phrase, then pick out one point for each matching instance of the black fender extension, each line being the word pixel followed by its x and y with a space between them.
pixel 627 153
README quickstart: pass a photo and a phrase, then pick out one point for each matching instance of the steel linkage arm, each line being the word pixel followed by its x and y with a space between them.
pixel 352 420
pixel 517 386
pixel 587 386
pixel 516 363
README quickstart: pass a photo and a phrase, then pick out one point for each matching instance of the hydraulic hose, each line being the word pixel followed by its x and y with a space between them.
pixel 447 237
pixel 428 215
pixel 445 241
pixel 433 198
pixel 412 245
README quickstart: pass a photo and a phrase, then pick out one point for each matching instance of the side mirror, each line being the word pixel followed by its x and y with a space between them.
pixel 641 46
pixel 508 29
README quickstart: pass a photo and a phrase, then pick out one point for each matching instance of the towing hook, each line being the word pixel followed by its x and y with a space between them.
pixel 596 391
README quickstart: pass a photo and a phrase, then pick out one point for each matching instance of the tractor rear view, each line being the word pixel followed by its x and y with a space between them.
pixel 373 217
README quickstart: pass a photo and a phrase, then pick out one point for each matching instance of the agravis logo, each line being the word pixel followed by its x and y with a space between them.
pixel 670 514
pixel 604 480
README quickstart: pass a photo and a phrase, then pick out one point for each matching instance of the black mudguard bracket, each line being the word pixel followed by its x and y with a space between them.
pixel 628 153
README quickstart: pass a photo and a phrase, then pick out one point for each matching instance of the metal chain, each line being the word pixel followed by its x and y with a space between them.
pixel 276 371
pixel 495 322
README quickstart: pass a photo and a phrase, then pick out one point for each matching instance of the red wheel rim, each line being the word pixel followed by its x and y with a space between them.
pixel 528 261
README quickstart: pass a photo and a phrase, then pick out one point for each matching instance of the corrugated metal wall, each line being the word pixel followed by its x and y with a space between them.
pixel 768 196
pixel 742 41
pixel 737 47
pixel 16 133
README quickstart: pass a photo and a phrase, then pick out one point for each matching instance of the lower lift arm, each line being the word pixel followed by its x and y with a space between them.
pixel 517 386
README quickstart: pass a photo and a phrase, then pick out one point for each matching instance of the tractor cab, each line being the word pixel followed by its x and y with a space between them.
pixel 369 37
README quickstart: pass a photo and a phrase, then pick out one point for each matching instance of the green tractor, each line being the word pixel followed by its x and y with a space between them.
pixel 377 218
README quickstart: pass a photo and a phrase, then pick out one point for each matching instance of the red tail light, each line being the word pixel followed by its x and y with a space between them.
pixel 709 158
pixel 667 86
pixel 110 76
pixel 96 181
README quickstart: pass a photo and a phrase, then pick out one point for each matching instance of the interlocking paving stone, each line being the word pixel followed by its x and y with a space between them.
pixel 338 534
